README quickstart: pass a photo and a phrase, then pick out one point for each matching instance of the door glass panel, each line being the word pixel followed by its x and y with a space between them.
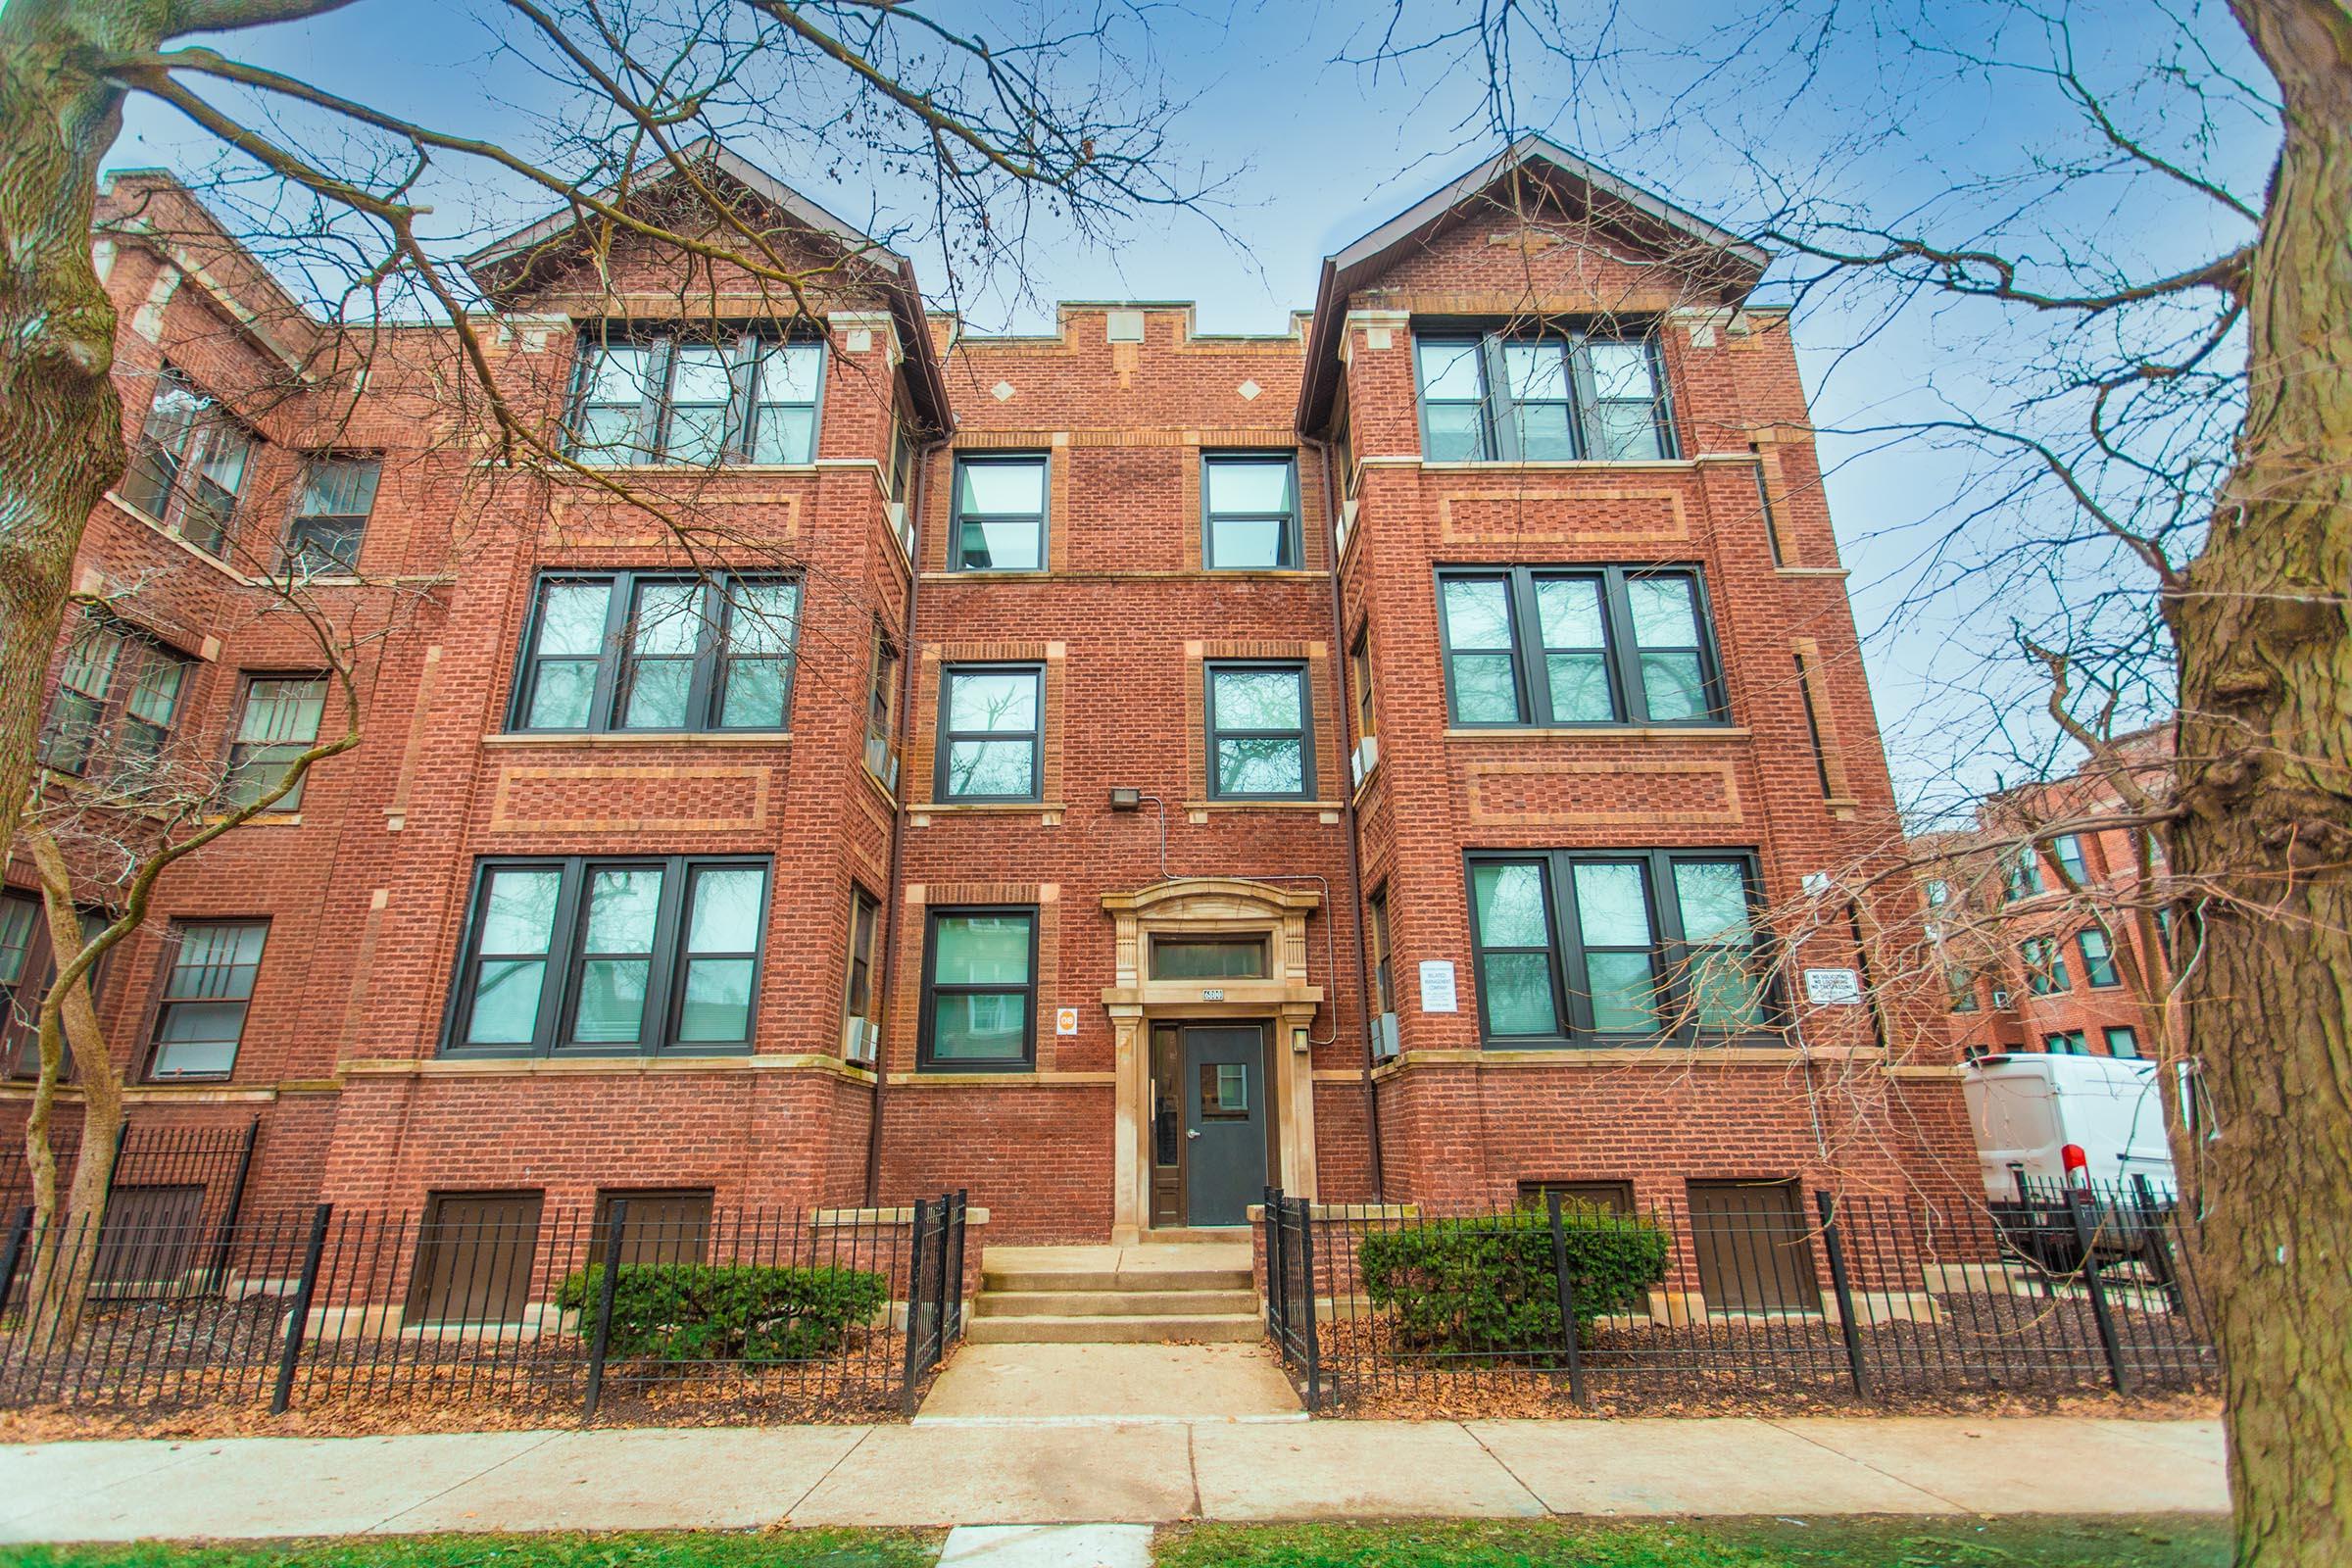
pixel 1224 1091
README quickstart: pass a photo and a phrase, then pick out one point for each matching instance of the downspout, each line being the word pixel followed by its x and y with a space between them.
pixel 1341 650
pixel 893 904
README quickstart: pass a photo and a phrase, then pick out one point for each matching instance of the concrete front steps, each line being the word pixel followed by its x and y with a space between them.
pixel 1193 1292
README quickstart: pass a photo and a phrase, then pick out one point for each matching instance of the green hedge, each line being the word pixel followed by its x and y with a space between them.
pixel 727 1312
pixel 1485 1283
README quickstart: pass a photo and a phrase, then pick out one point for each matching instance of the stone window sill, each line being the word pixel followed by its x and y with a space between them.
pixel 623 739
pixel 1602 732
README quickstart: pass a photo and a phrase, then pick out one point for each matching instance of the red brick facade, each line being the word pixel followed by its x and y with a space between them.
pixel 369 888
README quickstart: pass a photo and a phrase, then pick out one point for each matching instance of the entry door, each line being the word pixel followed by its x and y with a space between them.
pixel 1224 1123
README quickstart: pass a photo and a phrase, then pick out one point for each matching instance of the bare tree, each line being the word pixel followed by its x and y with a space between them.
pixel 2153 396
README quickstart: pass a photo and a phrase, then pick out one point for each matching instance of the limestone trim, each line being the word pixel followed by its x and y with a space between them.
pixel 611 1066
pixel 1677 1057
pixel 1284 1001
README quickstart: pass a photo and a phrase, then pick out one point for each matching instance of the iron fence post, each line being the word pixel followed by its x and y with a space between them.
pixel 1307 1274
pixel 1567 1298
pixel 298 1324
pixel 607 1283
pixel 16 1233
pixel 2077 1203
pixel 908 1374
pixel 1834 1247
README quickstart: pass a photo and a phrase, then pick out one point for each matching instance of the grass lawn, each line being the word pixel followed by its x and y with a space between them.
pixel 773 1549
pixel 1958 1542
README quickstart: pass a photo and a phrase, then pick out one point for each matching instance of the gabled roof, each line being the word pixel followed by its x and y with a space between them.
pixel 1366 258
pixel 894 274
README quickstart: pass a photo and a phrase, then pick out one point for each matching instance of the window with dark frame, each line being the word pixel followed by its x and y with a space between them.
pixel 2066 849
pixel 277 722
pixel 2123 1040
pixel 611 957
pixel 1571 945
pixel 2045 967
pixel 654 652
pixel 1384 993
pixel 979 989
pixel 1494 396
pixel 1249 510
pixel 330 513
pixel 188 468
pixel 200 1021
pixel 1183 957
pixel 882 708
pixel 861 1001
pixel 1548 646
pixel 2022 879
pixel 991 732
pixel 2066 1043
pixel 1960 985
pixel 1261 732
pixel 1000 512
pixel 2098 958
pixel 1359 676
pixel 742 397
pixel 27 969
pixel 117 696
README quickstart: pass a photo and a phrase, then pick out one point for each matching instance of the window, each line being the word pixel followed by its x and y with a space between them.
pixel 2067 849
pixel 116 693
pixel 278 722
pixel 1493 397
pixel 1572 945
pixel 2066 1043
pixel 897 476
pixel 862 1000
pixel 989 733
pixel 882 709
pixel 980 988
pixel 611 957
pixel 1260 738
pixel 2025 873
pixel 205 993
pixel 1939 892
pixel 2098 958
pixel 1250 511
pixel 187 466
pixel 2123 1040
pixel 1343 436
pixel 2045 967
pixel 27 969
pixel 330 514
pixel 1384 980
pixel 747 398
pixel 1359 676
pixel 657 652
pixel 1960 983
pixel 1612 645
pixel 1000 514
pixel 1208 958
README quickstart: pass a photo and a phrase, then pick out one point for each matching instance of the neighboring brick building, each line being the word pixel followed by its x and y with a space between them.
pixel 1357 757
pixel 2047 924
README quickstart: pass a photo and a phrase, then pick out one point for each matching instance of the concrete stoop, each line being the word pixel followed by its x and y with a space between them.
pixel 1189 1293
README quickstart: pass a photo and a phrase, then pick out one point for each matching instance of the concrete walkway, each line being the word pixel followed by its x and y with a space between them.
pixel 1018 1472
pixel 1093 1383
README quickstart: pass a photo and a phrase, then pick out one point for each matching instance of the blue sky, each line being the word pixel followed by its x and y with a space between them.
pixel 1885 111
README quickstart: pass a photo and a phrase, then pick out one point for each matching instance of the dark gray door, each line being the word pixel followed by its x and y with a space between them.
pixel 1224 1123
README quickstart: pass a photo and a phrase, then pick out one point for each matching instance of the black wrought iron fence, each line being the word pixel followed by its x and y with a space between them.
pixel 676 1309
pixel 163 1173
pixel 1743 1289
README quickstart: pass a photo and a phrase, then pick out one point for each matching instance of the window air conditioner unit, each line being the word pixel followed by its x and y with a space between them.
pixel 1366 758
pixel 861 1040
pixel 1384 1037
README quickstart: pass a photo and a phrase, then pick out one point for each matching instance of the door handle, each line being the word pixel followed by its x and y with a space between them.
pixel 1193 1132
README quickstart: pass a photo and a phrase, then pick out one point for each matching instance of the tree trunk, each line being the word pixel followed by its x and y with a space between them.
pixel 2266 775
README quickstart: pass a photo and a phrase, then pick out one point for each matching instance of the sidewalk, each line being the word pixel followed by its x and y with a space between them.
pixel 1018 1472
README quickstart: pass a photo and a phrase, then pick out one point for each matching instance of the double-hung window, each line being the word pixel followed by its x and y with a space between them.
pixel 990 732
pixel 276 723
pixel 882 708
pixel 1000 514
pixel 611 957
pixel 1577 945
pixel 27 969
pixel 2022 875
pixel 200 1020
pixel 330 514
pixel 1260 733
pixel 2098 956
pixel 657 651
pixel 1249 510
pixel 1504 397
pixel 117 695
pixel 2066 851
pixel 862 1002
pixel 2066 1043
pixel 980 988
pixel 2045 967
pixel 1597 645
pixel 188 468
pixel 2122 1041
pixel 745 397
pixel 1384 993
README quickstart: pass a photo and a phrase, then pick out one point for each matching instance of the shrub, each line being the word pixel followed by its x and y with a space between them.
pixel 727 1312
pixel 1485 1284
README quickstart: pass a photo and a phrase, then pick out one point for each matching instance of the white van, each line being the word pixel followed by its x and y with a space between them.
pixel 2025 1110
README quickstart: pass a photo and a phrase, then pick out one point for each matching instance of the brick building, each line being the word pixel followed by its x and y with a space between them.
pixel 2048 916
pixel 1108 770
